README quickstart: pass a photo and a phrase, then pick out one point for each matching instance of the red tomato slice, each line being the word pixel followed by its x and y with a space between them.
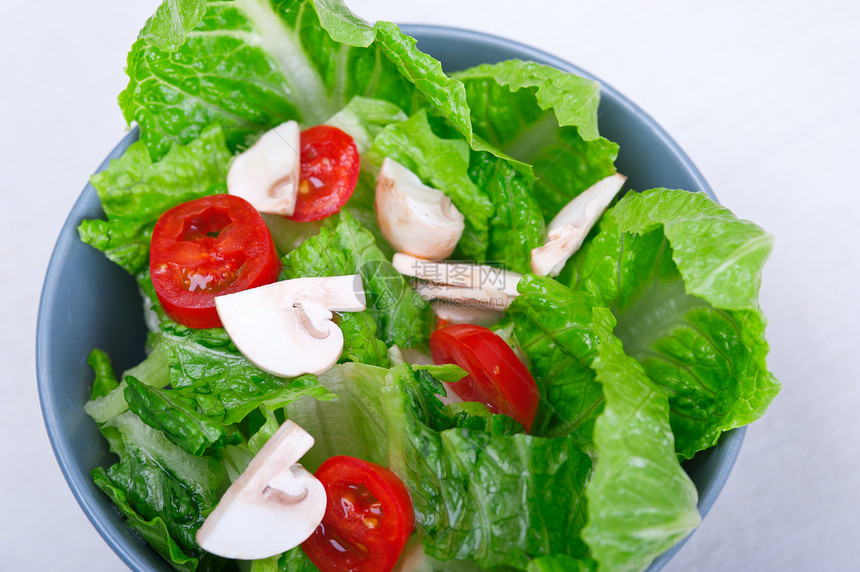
pixel 206 247
pixel 329 172
pixel 368 518
pixel 496 377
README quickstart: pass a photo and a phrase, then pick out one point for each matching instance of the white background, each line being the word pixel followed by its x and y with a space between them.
pixel 762 95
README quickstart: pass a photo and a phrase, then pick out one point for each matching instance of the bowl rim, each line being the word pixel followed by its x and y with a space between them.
pixel 729 444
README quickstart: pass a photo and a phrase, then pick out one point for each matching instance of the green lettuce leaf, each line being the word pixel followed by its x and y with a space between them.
pixel 152 371
pixel 105 379
pixel 682 274
pixel 163 491
pixel 486 494
pixel 640 500
pixel 364 118
pixel 250 65
pixel 134 192
pixel 546 118
pixel 175 414
pixel 554 327
pixel 154 530
pixel 320 255
pixel 517 225
pixel 403 317
pixel 205 365
pixel 172 20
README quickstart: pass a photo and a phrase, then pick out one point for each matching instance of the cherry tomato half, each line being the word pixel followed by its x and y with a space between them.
pixel 329 172
pixel 368 518
pixel 496 377
pixel 213 245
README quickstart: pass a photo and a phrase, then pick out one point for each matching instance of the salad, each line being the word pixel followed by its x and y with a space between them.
pixel 534 417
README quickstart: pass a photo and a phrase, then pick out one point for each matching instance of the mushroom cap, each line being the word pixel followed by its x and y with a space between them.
pixel 549 259
pixel 584 210
pixel 267 173
pixel 285 328
pixel 571 225
pixel 273 506
pixel 413 217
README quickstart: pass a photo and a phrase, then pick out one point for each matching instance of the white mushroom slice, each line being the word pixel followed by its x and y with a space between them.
pixel 267 174
pixel 285 328
pixel 273 506
pixel 572 224
pixel 458 274
pixel 413 217
pixel 456 314
pixel 473 297
pixel 549 259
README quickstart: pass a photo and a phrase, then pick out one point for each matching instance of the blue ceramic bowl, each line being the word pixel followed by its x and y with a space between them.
pixel 88 302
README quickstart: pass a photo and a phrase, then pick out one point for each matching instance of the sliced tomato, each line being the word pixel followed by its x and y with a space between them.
pixel 329 172
pixel 209 246
pixel 368 518
pixel 497 377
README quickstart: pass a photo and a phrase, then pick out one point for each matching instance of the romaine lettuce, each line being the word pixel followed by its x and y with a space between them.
pixel 681 274
pixel 134 192
pixel 252 64
pixel 668 277
pixel 546 118
pixel 482 492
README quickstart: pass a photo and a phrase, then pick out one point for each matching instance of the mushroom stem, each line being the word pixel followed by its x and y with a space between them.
pixel 306 323
pixel 284 497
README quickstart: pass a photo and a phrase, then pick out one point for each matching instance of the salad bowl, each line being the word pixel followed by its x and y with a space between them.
pixel 87 301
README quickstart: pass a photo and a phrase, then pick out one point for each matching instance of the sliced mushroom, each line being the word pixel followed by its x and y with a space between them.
pixel 285 328
pixel 413 217
pixel 471 297
pixel 454 313
pixel 267 174
pixel 572 224
pixel 459 274
pixel 273 506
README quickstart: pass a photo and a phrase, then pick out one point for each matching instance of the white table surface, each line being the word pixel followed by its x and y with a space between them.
pixel 762 95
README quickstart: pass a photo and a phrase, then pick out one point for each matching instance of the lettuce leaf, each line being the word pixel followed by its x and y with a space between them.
pixel 486 494
pixel 640 500
pixel 517 226
pixel 154 530
pixel 152 371
pixel 554 326
pixel 252 64
pixel 681 274
pixel 134 192
pixel 205 365
pixel 321 256
pixel 105 379
pixel 403 317
pixel 175 413
pixel 163 491
pixel 546 118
